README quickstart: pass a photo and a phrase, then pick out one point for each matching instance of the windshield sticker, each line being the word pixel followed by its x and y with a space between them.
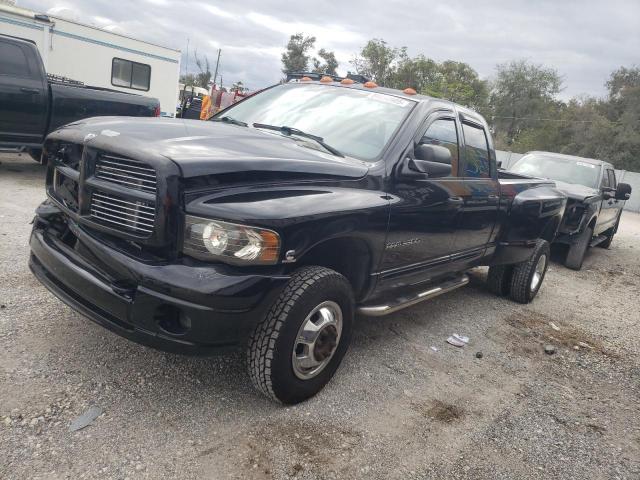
pixel 582 164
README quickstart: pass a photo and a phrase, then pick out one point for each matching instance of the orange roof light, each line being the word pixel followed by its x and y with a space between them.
pixel 409 91
pixel 305 79
pixel 347 81
pixel 370 84
pixel 326 79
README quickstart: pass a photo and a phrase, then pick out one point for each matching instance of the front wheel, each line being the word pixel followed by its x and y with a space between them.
pixel 297 348
pixel 527 277
pixel 578 250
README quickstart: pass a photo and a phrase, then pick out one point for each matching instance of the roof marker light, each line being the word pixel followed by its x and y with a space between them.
pixel 370 84
pixel 347 81
pixel 409 91
pixel 326 79
pixel 305 79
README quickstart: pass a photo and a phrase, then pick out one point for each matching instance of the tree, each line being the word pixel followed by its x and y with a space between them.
pixel 330 63
pixel 204 76
pixel 459 83
pixel 417 73
pixel 296 58
pixel 377 61
pixel 520 93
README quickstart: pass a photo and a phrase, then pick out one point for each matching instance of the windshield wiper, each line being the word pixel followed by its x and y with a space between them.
pixel 294 131
pixel 232 121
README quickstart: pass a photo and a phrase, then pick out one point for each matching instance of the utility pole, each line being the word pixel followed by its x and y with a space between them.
pixel 215 74
pixel 186 67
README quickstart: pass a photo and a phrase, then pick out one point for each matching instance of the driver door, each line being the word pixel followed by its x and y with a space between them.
pixel 424 218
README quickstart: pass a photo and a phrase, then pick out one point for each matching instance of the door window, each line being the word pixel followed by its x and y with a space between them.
pixel 443 132
pixel 606 182
pixel 14 61
pixel 477 161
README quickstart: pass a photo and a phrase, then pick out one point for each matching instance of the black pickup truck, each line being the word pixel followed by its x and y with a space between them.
pixel 595 201
pixel 272 225
pixel 33 104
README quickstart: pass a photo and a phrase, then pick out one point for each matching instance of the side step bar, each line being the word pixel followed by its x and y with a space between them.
pixel 597 240
pixel 403 302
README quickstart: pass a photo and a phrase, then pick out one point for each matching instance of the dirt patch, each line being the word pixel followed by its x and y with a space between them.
pixel 439 411
pixel 305 446
pixel 534 330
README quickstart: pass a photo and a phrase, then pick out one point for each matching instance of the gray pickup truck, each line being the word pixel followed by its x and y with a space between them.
pixel 595 203
pixel 33 104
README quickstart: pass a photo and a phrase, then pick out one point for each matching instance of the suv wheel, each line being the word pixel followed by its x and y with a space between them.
pixel 578 250
pixel 528 276
pixel 297 348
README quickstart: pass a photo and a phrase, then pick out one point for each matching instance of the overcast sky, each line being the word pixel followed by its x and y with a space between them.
pixel 584 40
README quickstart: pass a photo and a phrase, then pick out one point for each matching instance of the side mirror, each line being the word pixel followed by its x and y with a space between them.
pixel 623 192
pixel 432 153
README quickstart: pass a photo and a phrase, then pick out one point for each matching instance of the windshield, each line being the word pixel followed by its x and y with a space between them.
pixel 355 122
pixel 558 168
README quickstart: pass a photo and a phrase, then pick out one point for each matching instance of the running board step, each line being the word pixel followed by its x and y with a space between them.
pixel 403 302
pixel 596 240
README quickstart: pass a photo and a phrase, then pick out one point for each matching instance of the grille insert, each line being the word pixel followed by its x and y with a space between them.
pixel 123 214
pixel 126 172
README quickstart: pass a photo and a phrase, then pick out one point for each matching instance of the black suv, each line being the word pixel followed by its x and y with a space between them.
pixel 272 225
pixel 595 202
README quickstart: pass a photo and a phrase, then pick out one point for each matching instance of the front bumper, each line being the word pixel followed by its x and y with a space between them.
pixel 183 306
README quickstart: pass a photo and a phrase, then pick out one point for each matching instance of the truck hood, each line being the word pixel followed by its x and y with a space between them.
pixel 208 148
pixel 576 191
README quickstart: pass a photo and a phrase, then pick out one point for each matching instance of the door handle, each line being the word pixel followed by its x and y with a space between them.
pixel 455 200
pixel 34 91
pixel 493 197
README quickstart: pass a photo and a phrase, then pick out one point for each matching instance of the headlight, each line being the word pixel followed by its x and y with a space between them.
pixel 217 240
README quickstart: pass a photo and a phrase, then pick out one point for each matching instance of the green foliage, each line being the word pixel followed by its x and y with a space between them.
pixel 521 94
pixel 378 62
pixel 392 67
pixel 296 57
pixel 607 129
pixel 328 66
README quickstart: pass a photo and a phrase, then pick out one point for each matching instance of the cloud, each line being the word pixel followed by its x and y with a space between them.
pixel 584 40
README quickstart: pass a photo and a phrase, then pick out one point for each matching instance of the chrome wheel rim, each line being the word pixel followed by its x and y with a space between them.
pixel 538 273
pixel 317 340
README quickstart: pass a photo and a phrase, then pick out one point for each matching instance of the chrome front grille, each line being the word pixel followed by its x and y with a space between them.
pixel 126 172
pixel 135 216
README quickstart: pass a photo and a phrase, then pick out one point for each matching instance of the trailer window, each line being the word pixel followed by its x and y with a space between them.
pixel 128 74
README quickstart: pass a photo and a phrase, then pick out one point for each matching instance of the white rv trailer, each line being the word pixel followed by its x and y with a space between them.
pixel 98 57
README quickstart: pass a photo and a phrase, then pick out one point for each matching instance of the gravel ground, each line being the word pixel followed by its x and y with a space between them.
pixel 396 408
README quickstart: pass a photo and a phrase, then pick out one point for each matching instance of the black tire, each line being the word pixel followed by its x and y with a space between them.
pixel 578 250
pixel 499 279
pixel 523 289
pixel 271 344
